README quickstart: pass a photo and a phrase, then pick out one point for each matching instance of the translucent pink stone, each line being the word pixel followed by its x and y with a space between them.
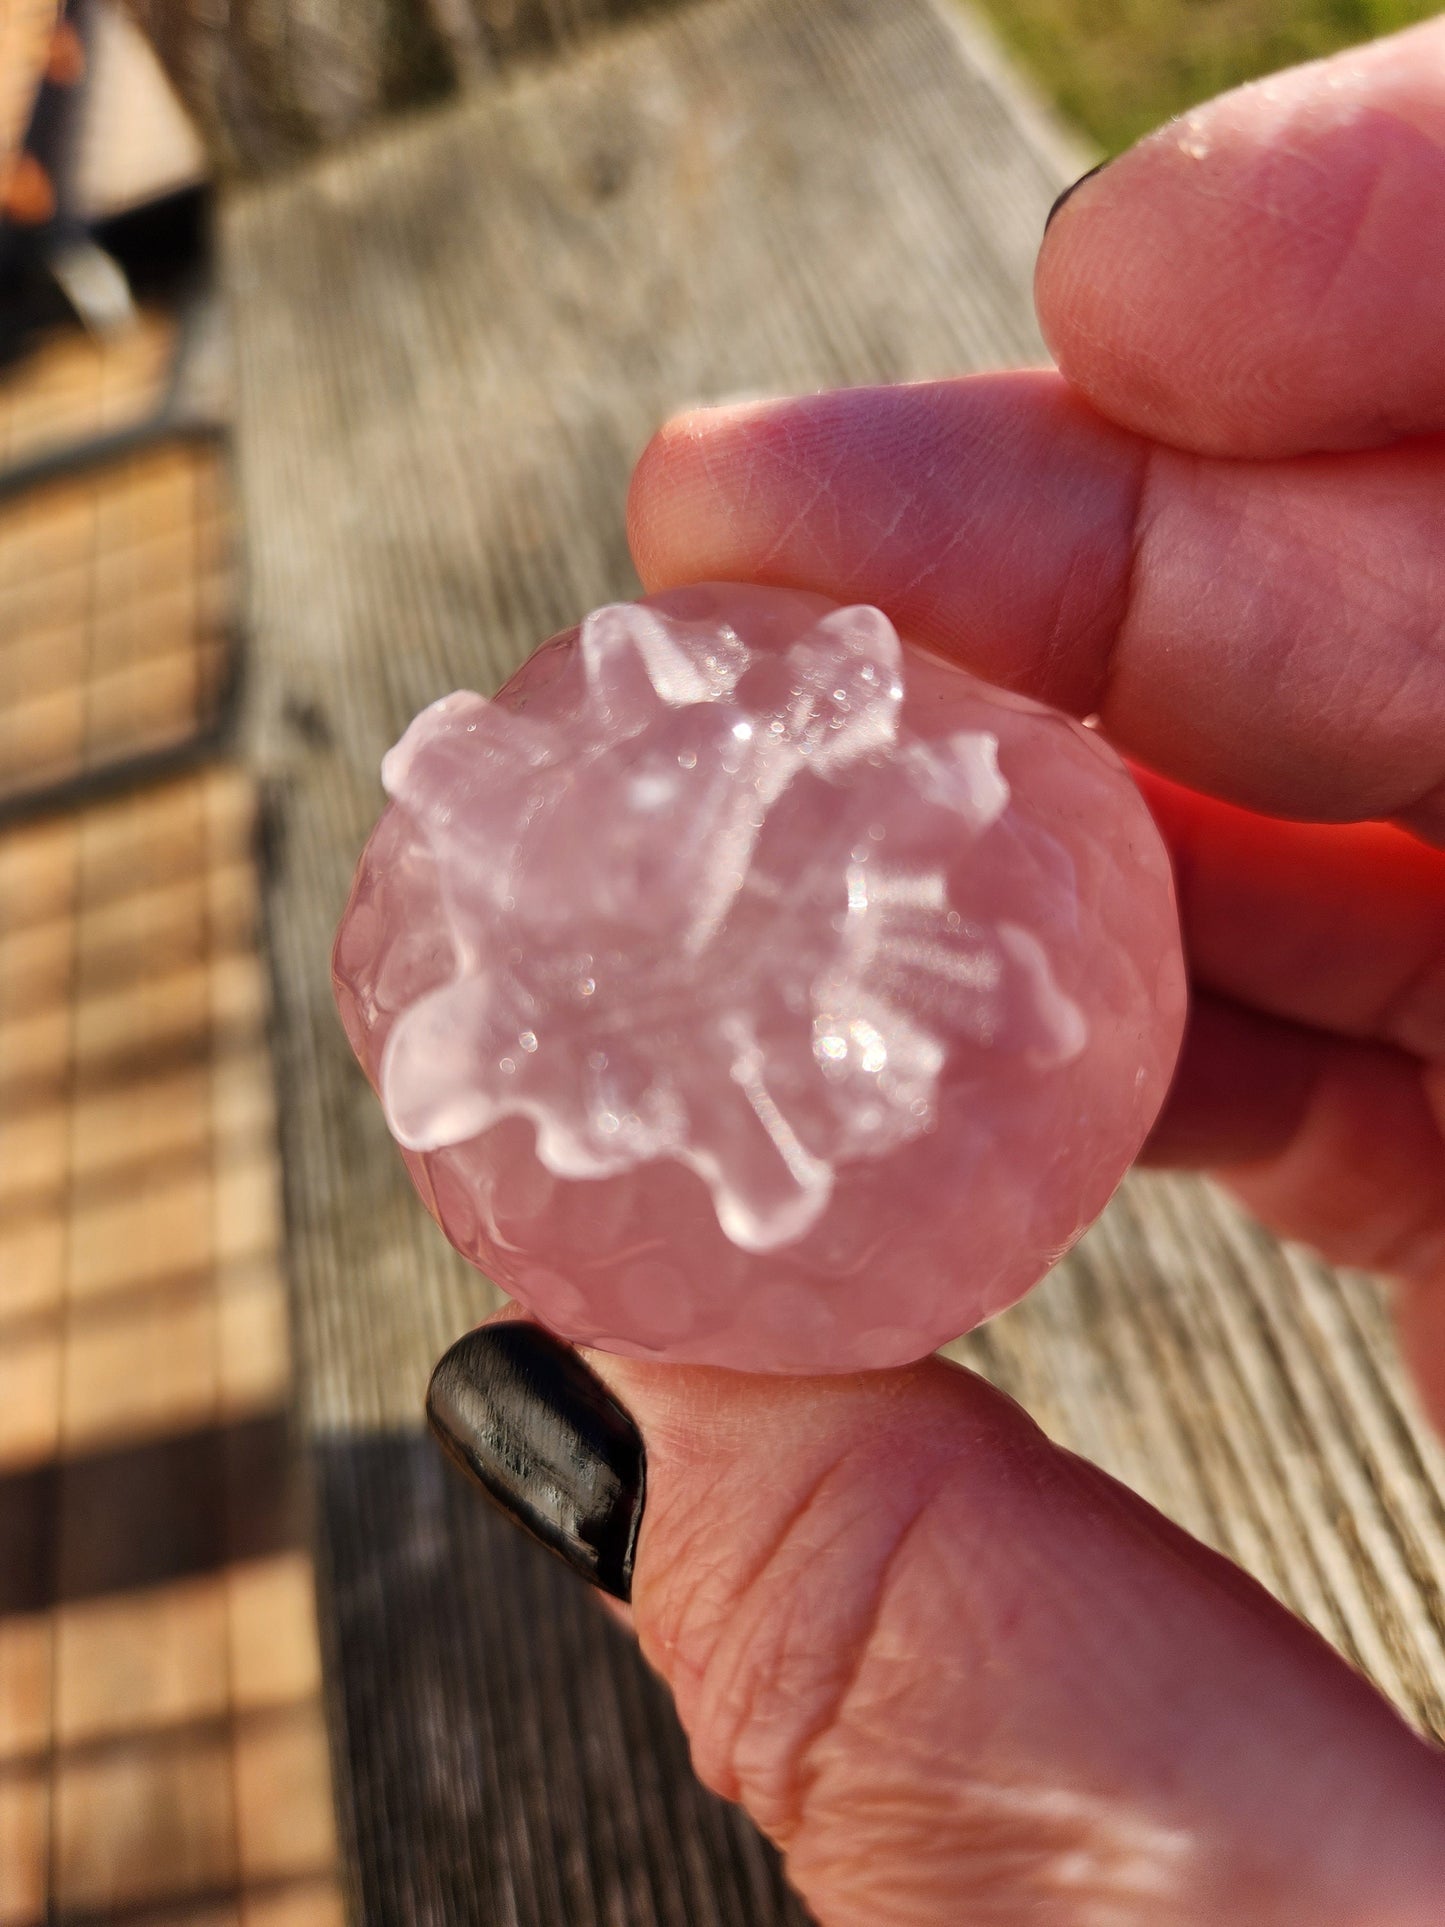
pixel 746 987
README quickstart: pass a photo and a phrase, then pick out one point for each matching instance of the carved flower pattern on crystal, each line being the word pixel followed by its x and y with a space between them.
pixel 733 972
pixel 749 987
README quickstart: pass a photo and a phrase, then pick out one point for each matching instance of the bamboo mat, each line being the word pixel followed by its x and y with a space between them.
pixel 115 596
pixel 73 386
pixel 162 1748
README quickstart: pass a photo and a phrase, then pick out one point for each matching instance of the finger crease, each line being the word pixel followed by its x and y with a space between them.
pixel 1141 518
pixel 807 1770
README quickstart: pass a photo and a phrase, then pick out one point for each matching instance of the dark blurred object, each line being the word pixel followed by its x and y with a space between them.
pixel 35 203
pixel 103 202
pixel 72 245
pixel 267 85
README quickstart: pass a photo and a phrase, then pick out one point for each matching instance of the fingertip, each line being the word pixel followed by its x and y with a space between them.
pixel 987 516
pixel 1067 197
pixel 683 498
pixel 645 492
pixel 882 1597
pixel 521 1414
pixel 653 480
pixel 1220 286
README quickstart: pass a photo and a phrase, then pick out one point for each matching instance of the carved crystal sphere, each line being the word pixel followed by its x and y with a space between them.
pixel 747 987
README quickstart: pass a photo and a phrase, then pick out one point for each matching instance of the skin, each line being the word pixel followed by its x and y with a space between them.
pixel 957 1673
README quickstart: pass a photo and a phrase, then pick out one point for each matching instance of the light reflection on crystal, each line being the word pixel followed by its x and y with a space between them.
pixel 790 960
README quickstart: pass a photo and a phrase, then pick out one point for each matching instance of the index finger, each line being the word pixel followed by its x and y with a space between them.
pixel 1271 632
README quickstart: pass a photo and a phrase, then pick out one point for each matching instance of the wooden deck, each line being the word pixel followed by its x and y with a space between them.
pixel 163 1749
pixel 452 341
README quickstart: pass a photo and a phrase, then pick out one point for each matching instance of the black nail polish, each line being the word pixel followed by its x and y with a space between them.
pixel 519 1412
pixel 1074 187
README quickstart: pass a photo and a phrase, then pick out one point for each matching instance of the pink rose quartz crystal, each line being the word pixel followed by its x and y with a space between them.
pixel 747 987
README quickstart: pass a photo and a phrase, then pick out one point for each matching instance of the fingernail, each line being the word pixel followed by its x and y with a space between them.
pixel 1074 187
pixel 521 1414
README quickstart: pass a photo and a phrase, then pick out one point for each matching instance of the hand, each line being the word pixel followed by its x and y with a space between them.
pixel 1222 528
pixel 958 1674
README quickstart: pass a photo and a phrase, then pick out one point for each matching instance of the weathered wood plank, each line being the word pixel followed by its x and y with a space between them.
pixel 268 84
pixel 451 346
pixel 510 1760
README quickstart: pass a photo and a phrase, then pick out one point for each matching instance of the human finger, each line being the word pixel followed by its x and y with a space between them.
pixel 1266 275
pixel 1270 632
pixel 1328 1140
pixel 1339 927
pixel 952 1670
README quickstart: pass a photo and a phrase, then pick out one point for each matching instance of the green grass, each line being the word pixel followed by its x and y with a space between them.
pixel 1116 68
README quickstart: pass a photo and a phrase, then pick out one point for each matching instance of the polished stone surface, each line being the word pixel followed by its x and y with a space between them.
pixel 745 986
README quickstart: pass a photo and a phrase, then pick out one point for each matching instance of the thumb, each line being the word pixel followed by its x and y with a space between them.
pixel 955 1672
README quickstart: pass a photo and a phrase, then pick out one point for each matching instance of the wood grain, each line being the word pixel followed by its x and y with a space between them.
pixel 267 84
pixel 451 346
pixel 510 1759
pixel 71 387
pixel 160 1715
pixel 115 613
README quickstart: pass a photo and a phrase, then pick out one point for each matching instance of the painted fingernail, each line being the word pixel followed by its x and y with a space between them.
pixel 1073 188
pixel 521 1414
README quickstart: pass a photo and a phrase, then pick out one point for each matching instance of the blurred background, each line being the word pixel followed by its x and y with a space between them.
pixel 257 264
